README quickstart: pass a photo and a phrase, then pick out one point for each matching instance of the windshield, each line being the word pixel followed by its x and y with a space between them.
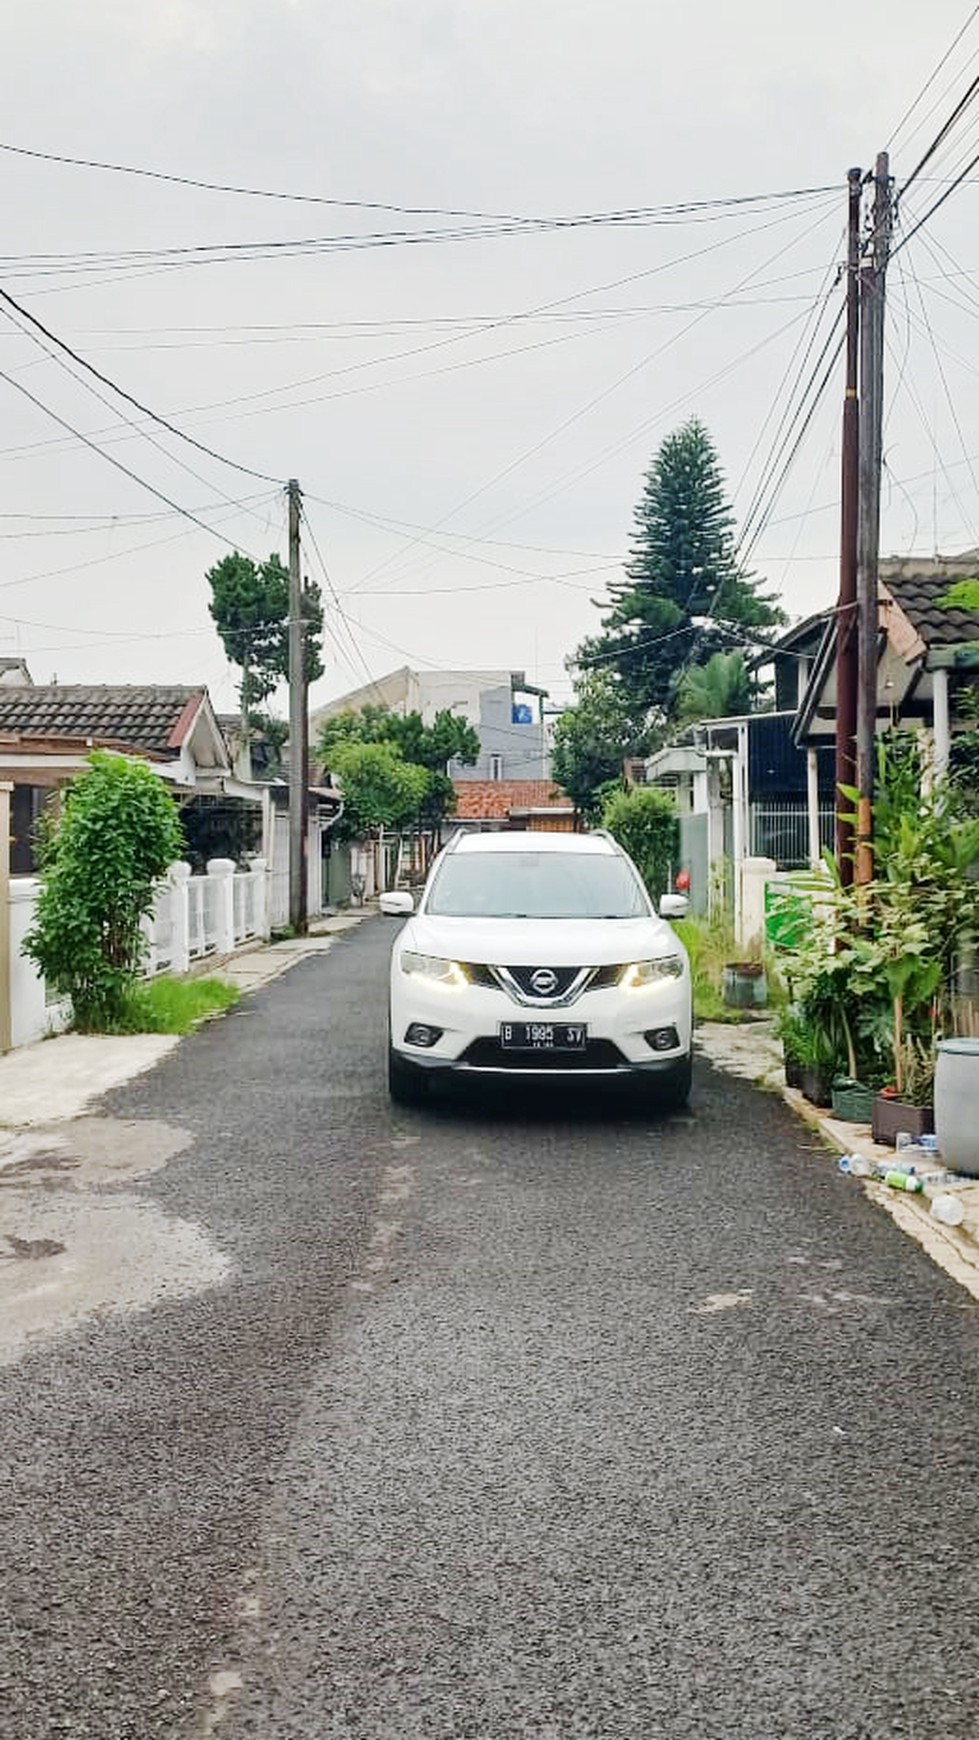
pixel 536 885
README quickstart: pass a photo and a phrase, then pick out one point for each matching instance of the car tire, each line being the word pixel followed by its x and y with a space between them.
pixel 673 1091
pixel 407 1085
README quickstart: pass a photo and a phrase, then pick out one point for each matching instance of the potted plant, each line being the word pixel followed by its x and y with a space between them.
pixel 819 1060
pixel 905 1107
pixel 745 985
pixel 789 1029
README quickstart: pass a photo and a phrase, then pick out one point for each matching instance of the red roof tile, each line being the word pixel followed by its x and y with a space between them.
pixel 492 800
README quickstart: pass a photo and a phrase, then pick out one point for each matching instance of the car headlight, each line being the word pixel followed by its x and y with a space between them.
pixel 642 974
pixel 448 973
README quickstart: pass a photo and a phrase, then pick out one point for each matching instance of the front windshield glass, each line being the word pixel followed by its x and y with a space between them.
pixel 535 885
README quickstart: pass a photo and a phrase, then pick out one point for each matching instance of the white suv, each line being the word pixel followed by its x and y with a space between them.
pixel 535 954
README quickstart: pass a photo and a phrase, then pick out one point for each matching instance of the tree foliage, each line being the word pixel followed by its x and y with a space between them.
pixel 118 833
pixel 592 739
pixel 380 788
pixel 683 565
pixel 645 823
pixel 250 608
pixel 429 747
pixel 715 690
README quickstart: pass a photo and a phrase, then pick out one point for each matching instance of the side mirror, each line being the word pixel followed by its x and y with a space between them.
pixel 397 904
pixel 674 906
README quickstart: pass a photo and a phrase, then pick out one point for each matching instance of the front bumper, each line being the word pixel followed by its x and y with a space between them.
pixel 469 1020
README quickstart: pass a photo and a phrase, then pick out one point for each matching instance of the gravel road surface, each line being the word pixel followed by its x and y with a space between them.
pixel 528 1420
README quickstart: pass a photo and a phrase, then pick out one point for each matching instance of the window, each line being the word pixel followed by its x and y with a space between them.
pixel 496 767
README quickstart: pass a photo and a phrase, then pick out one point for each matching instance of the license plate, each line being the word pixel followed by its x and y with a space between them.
pixel 542 1036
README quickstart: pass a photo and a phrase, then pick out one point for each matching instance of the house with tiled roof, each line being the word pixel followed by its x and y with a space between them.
pixel 48 731
pixel 493 804
pixel 927 657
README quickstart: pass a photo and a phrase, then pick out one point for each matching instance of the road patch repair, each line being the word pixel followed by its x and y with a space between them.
pixel 76 1239
pixel 750 1050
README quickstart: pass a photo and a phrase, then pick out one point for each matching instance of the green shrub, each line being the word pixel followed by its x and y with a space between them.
pixel 118 833
pixel 645 823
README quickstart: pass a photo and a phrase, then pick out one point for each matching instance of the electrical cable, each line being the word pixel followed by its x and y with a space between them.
pixel 909 111
pixel 575 417
pixel 164 423
pixel 939 138
pixel 186 513
pixel 358 652
pixel 353 204
pixel 905 239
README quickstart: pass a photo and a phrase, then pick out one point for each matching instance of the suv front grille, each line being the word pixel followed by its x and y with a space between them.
pixel 555 985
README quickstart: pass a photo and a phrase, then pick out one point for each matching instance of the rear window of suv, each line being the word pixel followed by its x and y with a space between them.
pixel 536 885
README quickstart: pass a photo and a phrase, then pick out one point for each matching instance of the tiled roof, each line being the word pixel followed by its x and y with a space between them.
pixel 490 800
pixel 150 718
pixel 920 594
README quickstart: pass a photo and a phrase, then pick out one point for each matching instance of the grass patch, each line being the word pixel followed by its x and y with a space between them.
pixel 168 1005
pixel 711 947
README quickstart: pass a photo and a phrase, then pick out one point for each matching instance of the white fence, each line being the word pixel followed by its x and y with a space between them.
pixel 194 917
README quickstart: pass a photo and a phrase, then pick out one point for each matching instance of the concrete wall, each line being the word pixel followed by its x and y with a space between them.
pixel 507 751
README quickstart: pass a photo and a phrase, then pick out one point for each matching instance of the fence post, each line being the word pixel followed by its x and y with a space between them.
pixel 263 893
pixel 5 1013
pixel 178 879
pixel 222 873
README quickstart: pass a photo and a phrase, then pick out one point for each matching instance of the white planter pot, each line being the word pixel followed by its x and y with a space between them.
pixel 957 1104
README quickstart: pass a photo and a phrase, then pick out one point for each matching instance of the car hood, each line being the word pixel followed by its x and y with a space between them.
pixel 552 942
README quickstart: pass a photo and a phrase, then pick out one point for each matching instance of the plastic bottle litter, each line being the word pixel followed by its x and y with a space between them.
pixel 856 1166
pixel 899 1180
pixel 948 1209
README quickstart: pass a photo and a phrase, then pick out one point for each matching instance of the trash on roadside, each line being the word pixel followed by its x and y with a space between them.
pixel 896 1179
pixel 948 1209
pixel 856 1166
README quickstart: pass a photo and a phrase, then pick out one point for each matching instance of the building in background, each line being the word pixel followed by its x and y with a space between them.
pixel 505 710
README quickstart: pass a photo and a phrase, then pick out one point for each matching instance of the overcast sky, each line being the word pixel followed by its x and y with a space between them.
pixel 470 418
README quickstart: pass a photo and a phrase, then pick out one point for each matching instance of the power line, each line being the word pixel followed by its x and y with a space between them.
pixel 164 423
pixel 576 416
pixel 108 556
pixel 931 79
pixel 905 239
pixel 186 513
pixel 358 653
pixel 383 205
pixel 940 137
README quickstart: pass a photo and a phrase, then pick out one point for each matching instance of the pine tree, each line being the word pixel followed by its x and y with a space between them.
pixel 683 565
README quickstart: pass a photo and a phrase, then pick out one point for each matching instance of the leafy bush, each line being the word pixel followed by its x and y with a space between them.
pixel 118 833
pixel 645 823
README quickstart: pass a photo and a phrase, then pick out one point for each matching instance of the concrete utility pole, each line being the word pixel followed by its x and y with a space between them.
pixel 873 273
pixel 846 613
pixel 298 727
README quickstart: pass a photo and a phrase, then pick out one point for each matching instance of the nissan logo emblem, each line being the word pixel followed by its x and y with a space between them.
pixel 544 981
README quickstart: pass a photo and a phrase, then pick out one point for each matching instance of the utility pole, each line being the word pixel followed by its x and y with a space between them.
pixel 298 728
pixel 873 273
pixel 847 669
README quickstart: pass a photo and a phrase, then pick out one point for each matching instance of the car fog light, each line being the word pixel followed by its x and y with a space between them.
pixel 662 1038
pixel 420 1034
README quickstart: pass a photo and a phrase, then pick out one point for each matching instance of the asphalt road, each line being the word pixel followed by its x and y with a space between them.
pixel 546 1422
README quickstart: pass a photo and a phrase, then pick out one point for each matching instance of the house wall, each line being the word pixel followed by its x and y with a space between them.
pixel 507 750
pixel 694 857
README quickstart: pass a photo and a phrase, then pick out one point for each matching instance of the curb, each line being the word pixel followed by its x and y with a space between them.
pixel 954 1249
